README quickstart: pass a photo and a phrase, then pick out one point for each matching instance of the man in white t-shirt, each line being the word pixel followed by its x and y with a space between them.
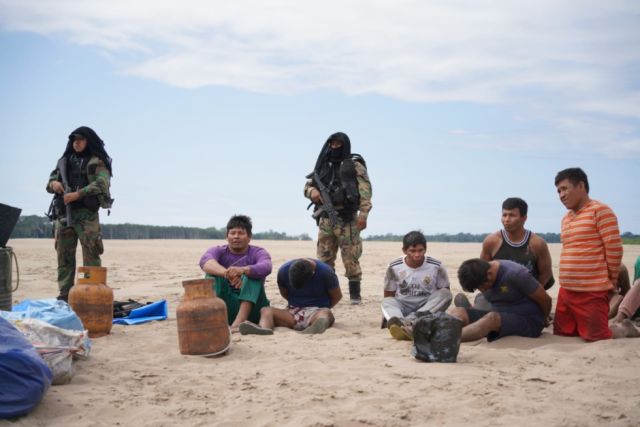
pixel 413 284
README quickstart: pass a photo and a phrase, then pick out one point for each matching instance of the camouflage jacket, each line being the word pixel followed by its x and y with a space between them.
pixel 99 182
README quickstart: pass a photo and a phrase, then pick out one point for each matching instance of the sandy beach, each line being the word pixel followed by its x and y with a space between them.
pixel 354 374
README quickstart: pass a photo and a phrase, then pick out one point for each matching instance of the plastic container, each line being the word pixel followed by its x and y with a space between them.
pixel 202 320
pixel 6 255
pixel 92 300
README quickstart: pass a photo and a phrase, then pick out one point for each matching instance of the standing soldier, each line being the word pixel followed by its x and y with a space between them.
pixel 339 188
pixel 85 170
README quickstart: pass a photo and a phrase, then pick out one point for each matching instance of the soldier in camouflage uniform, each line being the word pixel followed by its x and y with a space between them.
pixel 344 177
pixel 88 170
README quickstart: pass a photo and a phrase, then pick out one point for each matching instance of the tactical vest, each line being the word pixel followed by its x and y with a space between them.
pixel 82 172
pixel 77 171
pixel 343 186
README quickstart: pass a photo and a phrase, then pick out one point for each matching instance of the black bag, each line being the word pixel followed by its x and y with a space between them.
pixel 123 308
pixel 436 337
pixel 8 219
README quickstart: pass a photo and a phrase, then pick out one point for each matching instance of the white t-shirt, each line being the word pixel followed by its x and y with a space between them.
pixel 415 282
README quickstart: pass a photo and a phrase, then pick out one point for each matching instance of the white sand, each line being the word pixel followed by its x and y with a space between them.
pixel 354 374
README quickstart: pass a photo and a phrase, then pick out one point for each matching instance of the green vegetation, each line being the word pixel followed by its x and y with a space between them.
pixel 33 226
pixel 630 238
pixel 460 237
pixel 441 237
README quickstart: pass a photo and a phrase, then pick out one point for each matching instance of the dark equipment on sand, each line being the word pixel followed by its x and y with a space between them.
pixel 8 219
pixel 436 337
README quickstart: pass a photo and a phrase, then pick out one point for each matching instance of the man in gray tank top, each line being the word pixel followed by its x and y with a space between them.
pixel 517 244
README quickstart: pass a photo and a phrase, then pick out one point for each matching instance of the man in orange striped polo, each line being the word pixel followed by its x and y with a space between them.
pixel 589 262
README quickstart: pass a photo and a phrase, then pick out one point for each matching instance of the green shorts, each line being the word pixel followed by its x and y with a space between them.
pixel 252 290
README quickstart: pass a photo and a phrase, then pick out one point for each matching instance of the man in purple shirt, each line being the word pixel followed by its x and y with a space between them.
pixel 239 270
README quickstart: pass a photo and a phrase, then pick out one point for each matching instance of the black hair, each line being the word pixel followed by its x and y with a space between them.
pixel 516 203
pixel 300 271
pixel 413 238
pixel 473 273
pixel 574 175
pixel 240 221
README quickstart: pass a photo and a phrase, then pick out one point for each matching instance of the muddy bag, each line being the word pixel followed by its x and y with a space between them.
pixel 436 337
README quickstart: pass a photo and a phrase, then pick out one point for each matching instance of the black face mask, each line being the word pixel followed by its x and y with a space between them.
pixel 336 154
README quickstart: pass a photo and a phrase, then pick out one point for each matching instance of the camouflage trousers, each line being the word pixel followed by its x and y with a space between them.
pixel 346 236
pixel 86 228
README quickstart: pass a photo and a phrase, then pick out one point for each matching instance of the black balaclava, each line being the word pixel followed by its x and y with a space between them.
pixel 95 145
pixel 327 155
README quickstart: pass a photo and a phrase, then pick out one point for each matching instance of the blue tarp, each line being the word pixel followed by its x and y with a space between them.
pixel 24 375
pixel 50 310
pixel 154 311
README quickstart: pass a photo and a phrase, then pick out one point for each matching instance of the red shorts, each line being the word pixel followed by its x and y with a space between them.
pixel 583 314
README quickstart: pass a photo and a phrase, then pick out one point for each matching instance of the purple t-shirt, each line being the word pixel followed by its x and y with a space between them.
pixel 256 258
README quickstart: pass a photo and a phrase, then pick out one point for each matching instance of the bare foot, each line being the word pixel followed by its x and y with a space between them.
pixel 624 329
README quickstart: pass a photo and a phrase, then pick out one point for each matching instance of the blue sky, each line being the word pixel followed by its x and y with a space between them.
pixel 210 108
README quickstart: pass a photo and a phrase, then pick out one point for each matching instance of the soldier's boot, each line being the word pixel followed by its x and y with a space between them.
pixel 354 292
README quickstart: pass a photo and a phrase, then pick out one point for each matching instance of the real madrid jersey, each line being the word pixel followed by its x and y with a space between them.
pixel 415 282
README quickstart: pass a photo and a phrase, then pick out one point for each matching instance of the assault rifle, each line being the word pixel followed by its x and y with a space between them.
pixel 62 167
pixel 327 206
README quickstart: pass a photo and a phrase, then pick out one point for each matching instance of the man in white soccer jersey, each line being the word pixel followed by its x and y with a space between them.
pixel 413 284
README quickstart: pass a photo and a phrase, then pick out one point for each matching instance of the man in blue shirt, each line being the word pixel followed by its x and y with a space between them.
pixel 311 289
pixel 520 305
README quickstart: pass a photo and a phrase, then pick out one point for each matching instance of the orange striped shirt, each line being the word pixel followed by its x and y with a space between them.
pixel 591 249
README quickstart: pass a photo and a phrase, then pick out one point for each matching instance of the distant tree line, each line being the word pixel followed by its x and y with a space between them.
pixel 33 226
pixel 627 237
pixel 440 237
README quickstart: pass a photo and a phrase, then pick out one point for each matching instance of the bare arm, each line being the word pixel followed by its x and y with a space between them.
pixel 335 295
pixel 541 250
pixel 489 246
pixel 540 297
pixel 389 294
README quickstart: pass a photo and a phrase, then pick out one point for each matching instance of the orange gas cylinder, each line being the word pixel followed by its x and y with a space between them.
pixel 202 320
pixel 92 300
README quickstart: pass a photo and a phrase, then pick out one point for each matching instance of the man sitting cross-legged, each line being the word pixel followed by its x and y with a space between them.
pixel 519 303
pixel 311 289
pixel 413 284
pixel 239 270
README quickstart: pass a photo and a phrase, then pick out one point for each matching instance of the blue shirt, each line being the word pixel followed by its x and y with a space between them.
pixel 315 293
pixel 511 289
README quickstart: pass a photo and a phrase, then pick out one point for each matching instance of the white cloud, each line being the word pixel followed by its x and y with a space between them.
pixel 554 58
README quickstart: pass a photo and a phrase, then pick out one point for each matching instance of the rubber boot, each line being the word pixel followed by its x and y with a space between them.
pixel 354 292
